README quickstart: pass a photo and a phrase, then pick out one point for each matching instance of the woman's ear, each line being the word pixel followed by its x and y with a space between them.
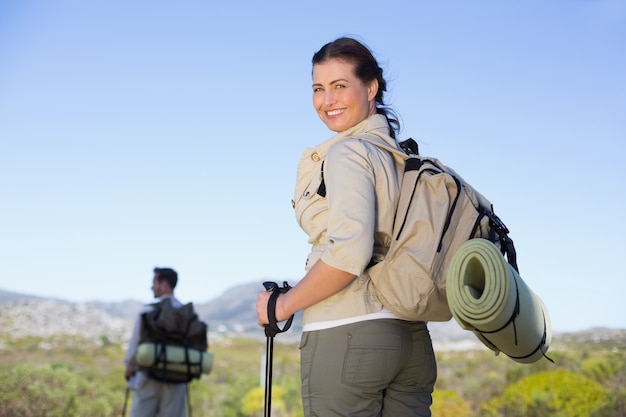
pixel 372 90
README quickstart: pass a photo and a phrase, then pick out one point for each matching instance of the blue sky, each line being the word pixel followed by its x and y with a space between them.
pixel 143 133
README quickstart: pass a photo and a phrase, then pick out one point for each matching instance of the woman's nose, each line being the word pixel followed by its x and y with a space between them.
pixel 329 97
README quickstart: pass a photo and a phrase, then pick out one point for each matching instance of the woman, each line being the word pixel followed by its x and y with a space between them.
pixel 357 359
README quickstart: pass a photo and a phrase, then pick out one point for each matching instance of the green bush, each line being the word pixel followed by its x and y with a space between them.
pixel 60 377
pixel 53 391
pixel 450 404
pixel 550 394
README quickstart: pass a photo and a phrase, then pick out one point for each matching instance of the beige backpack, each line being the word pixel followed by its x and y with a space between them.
pixel 437 212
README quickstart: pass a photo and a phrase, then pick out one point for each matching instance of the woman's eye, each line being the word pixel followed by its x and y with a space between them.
pixel 316 89
pixel 340 86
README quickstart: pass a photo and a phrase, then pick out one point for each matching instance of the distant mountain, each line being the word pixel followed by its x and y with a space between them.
pixel 232 313
pixel 235 312
pixel 34 317
pixel 8 296
pixel 126 309
pixel 23 315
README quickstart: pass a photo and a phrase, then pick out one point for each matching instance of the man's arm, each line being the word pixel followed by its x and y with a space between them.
pixel 133 344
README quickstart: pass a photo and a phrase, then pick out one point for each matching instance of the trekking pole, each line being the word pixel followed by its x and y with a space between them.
pixel 125 402
pixel 271 330
pixel 188 401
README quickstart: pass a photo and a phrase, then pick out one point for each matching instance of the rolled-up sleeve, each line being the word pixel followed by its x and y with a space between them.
pixel 351 193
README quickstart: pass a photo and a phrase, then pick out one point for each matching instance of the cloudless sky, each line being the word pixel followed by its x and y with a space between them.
pixel 136 134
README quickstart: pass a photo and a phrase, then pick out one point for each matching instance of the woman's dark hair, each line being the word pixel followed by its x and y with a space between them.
pixel 366 68
pixel 166 274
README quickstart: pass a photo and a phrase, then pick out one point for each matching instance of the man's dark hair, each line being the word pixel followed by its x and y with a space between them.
pixel 166 274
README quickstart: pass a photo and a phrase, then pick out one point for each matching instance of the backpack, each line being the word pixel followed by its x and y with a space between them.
pixel 173 343
pixel 436 213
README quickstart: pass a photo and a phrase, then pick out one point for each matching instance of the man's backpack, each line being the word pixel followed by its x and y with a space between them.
pixel 179 332
pixel 437 212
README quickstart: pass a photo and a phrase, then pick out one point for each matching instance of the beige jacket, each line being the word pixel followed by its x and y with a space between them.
pixel 353 223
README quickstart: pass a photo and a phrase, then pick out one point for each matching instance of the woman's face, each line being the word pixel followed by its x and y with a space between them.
pixel 339 97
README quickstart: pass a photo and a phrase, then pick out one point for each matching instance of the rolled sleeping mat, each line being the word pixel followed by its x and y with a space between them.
pixel 487 296
pixel 200 362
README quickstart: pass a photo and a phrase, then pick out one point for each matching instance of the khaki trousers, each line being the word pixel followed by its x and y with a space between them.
pixel 156 398
pixel 375 368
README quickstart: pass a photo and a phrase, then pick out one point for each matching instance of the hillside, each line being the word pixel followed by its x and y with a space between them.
pixel 231 314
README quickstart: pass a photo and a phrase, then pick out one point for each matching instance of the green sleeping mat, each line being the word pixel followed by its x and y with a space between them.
pixel 201 362
pixel 487 296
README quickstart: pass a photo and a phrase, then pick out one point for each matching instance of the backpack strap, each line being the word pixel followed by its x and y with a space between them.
pixel 506 243
pixel 321 190
pixel 410 147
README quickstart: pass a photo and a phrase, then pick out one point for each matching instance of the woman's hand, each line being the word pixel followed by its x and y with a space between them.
pixel 320 282
pixel 261 307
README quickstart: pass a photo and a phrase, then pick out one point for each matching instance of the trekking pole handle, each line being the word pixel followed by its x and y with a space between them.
pixel 270 286
pixel 272 328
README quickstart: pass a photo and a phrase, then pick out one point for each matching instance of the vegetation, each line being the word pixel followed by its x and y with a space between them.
pixel 76 378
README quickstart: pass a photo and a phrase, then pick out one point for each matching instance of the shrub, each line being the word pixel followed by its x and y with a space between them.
pixel 550 394
pixel 53 391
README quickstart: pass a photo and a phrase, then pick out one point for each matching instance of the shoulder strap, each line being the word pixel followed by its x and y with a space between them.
pixel 321 190
pixel 409 147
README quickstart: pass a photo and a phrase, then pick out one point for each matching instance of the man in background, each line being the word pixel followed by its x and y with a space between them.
pixel 152 397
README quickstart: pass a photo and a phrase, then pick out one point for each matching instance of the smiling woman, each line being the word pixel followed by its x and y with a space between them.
pixel 340 97
pixel 357 358
pixel 348 65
